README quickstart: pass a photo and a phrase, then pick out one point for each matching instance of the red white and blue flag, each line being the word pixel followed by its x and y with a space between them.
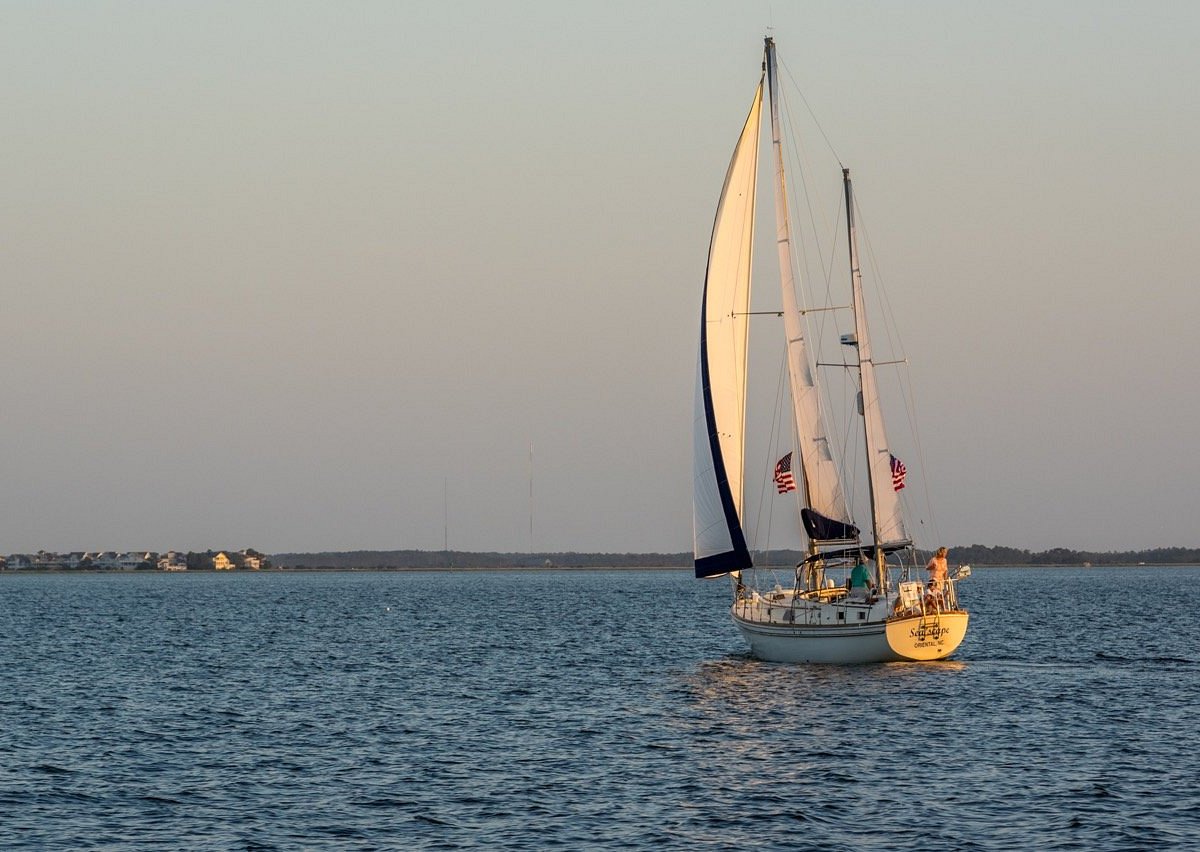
pixel 899 471
pixel 784 481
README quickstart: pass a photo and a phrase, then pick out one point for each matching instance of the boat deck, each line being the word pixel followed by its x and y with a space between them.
pixel 836 606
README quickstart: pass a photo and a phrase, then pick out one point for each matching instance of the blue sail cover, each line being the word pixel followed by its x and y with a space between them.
pixel 821 528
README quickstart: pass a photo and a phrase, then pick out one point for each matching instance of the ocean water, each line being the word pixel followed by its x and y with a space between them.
pixel 585 710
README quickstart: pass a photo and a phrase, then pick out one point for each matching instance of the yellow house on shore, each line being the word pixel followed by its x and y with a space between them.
pixel 222 562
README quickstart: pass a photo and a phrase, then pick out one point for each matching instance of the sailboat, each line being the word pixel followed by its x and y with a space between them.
pixel 892 615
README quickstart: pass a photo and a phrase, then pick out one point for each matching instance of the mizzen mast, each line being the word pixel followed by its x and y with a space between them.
pixel 887 524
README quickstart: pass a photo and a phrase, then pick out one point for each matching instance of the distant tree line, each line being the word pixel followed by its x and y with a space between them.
pixel 434 559
pixel 974 554
pixel 978 554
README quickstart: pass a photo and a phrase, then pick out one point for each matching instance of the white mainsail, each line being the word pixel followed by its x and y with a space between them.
pixel 822 481
pixel 719 427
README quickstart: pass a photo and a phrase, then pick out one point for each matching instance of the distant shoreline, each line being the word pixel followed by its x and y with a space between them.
pixel 512 569
pixel 249 560
pixel 376 569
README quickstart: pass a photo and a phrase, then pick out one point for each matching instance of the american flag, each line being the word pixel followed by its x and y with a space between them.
pixel 784 480
pixel 899 471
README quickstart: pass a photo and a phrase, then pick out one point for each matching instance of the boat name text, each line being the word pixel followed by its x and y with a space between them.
pixel 924 632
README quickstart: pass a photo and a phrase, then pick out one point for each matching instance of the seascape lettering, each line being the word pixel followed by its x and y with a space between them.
pixel 923 632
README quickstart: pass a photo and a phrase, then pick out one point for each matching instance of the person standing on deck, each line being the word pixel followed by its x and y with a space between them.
pixel 938 570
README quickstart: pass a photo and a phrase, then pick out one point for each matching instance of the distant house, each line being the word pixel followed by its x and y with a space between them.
pixel 252 560
pixel 135 559
pixel 107 561
pixel 46 561
pixel 172 561
pixel 222 562
pixel 20 562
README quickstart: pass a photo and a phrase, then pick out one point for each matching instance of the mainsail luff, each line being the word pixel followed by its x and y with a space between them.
pixel 719 426
pixel 822 481
pixel 887 522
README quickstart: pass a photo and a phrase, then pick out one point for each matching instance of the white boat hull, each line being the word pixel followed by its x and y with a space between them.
pixel 912 638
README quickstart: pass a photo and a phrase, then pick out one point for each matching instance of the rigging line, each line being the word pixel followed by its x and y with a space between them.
pixel 815 331
pixel 795 152
pixel 911 407
pixel 768 480
pixel 852 425
pixel 772 446
pixel 810 192
pixel 892 329
pixel 821 129
pixel 826 268
pixel 890 326
pixel 826 272
pixel 843 447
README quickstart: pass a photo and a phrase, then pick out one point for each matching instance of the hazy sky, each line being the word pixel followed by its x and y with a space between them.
pixel 282 274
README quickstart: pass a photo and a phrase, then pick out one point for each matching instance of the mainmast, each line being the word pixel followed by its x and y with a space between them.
pixel 822 490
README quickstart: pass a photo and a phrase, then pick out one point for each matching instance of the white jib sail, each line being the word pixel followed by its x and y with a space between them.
pixel 822 481
pixel 719 429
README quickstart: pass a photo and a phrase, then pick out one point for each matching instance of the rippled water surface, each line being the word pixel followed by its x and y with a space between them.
pixel 585 710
